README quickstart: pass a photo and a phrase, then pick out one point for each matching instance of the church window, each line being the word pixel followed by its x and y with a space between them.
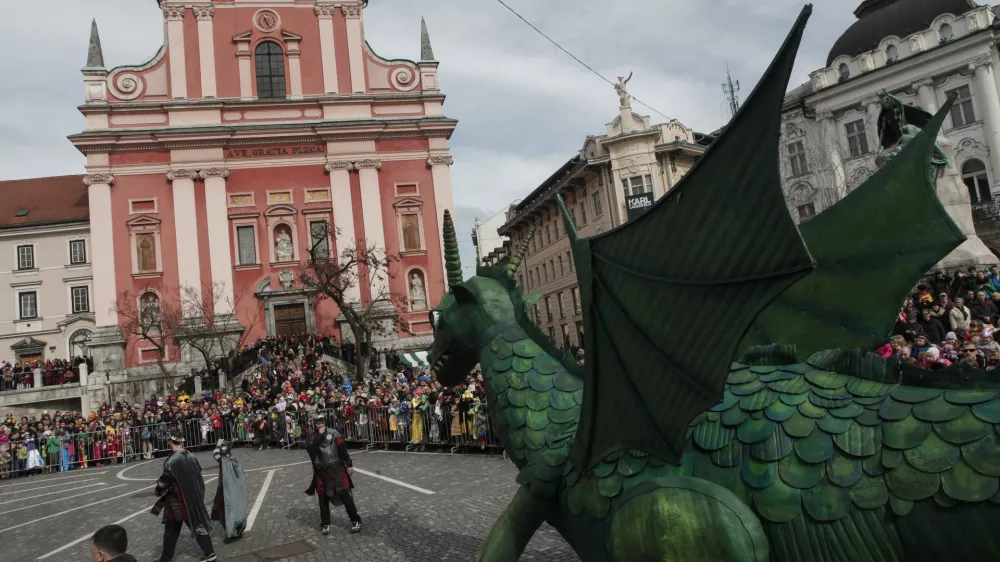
pixel 976 179
pixel 247 243
pixel 962 112
pixel 320 239
pixel 797 158
pixel 857 138
pixel 270 64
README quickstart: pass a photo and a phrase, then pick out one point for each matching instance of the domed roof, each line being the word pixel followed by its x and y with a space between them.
pixel 878 19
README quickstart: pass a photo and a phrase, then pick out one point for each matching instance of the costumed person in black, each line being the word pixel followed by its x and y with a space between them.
pixel 332 470
pixel 181 490
pixel 230 505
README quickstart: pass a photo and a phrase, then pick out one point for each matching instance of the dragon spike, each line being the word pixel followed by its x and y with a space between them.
pixel 452 260
pixel 518 257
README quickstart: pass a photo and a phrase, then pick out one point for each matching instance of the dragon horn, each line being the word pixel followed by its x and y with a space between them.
pixel 452 260
pixel 518 257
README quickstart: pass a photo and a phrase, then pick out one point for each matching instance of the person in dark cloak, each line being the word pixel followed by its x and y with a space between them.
pixel 230 505
pixel 181 490
pixel 332 470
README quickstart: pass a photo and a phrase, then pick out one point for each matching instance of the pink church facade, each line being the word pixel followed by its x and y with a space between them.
pixel 213 166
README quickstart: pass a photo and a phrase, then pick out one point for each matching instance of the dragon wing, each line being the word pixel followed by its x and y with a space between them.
pixel 868 255
pixel 668 296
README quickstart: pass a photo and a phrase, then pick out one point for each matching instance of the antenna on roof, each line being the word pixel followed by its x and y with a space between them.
pixel 730 89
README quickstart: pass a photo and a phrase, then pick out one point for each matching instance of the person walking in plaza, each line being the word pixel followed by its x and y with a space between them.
pixel 181 490
pixel 109 544
pixel 230 504
pixel 332 470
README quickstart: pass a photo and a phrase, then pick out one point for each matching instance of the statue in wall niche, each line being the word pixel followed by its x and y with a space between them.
pixel 622 89
pixel 283 244
pixel 418 298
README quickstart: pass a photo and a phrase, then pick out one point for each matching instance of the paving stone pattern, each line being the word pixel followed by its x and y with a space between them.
pixel 400 524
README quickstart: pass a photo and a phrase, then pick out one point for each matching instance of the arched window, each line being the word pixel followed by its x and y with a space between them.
pixel 844 71
pixel 149 311
pixel 270 63
pixel 946 33
pixel 975 178
pixel 79 343
pixel 891 54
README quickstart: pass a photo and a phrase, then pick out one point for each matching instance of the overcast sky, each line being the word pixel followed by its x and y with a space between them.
pixel 523 107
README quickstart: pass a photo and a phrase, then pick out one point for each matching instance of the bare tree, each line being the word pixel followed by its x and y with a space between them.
pixel 144 317
pixel 340 278
pixel 215 336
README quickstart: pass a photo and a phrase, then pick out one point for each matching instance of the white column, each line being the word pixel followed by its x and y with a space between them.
pixel 355 47
pixel 186 234
pixel 294 69
pixel 343 211
pixel 441 176
pixel 84 373
pixel 926 97
pixel 832 139
pixel 324 12
pixel 175 50
pixel 102 243
pixel 206 48
pixel 220 256
pixel 989 103
pixel 246 86
pixel 371 212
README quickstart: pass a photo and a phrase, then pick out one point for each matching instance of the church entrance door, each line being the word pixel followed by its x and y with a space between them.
pixel 289 319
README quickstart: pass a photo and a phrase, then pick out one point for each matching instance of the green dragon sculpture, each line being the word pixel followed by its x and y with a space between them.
pixel 661 447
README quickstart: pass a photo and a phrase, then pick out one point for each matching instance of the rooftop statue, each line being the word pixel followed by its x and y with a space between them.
pixel 661 447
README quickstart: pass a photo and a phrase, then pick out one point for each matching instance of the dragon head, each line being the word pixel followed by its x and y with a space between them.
pixel 472 310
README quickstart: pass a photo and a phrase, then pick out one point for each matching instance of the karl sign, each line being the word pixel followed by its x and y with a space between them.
pixel 274 151
pixel 636 205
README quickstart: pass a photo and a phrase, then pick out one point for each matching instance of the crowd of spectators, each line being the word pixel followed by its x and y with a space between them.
pixel 21 375
pixel 950 320
pixel 274 405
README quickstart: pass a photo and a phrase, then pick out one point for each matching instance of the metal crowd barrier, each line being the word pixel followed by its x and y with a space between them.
pixel 371 428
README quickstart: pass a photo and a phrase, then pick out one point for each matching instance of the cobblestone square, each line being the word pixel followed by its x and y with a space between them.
pixel 416 507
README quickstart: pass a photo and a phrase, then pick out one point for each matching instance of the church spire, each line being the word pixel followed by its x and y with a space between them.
pixel 426 51
pixel 95 56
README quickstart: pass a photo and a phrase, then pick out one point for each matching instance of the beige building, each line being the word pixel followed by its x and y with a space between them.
pixel 633 163
pixel 46 305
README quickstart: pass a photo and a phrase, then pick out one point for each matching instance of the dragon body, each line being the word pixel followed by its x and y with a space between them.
pixel 661 447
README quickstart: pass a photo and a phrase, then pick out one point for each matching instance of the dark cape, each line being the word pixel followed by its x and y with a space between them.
pixel 182 492
pixel 230 505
